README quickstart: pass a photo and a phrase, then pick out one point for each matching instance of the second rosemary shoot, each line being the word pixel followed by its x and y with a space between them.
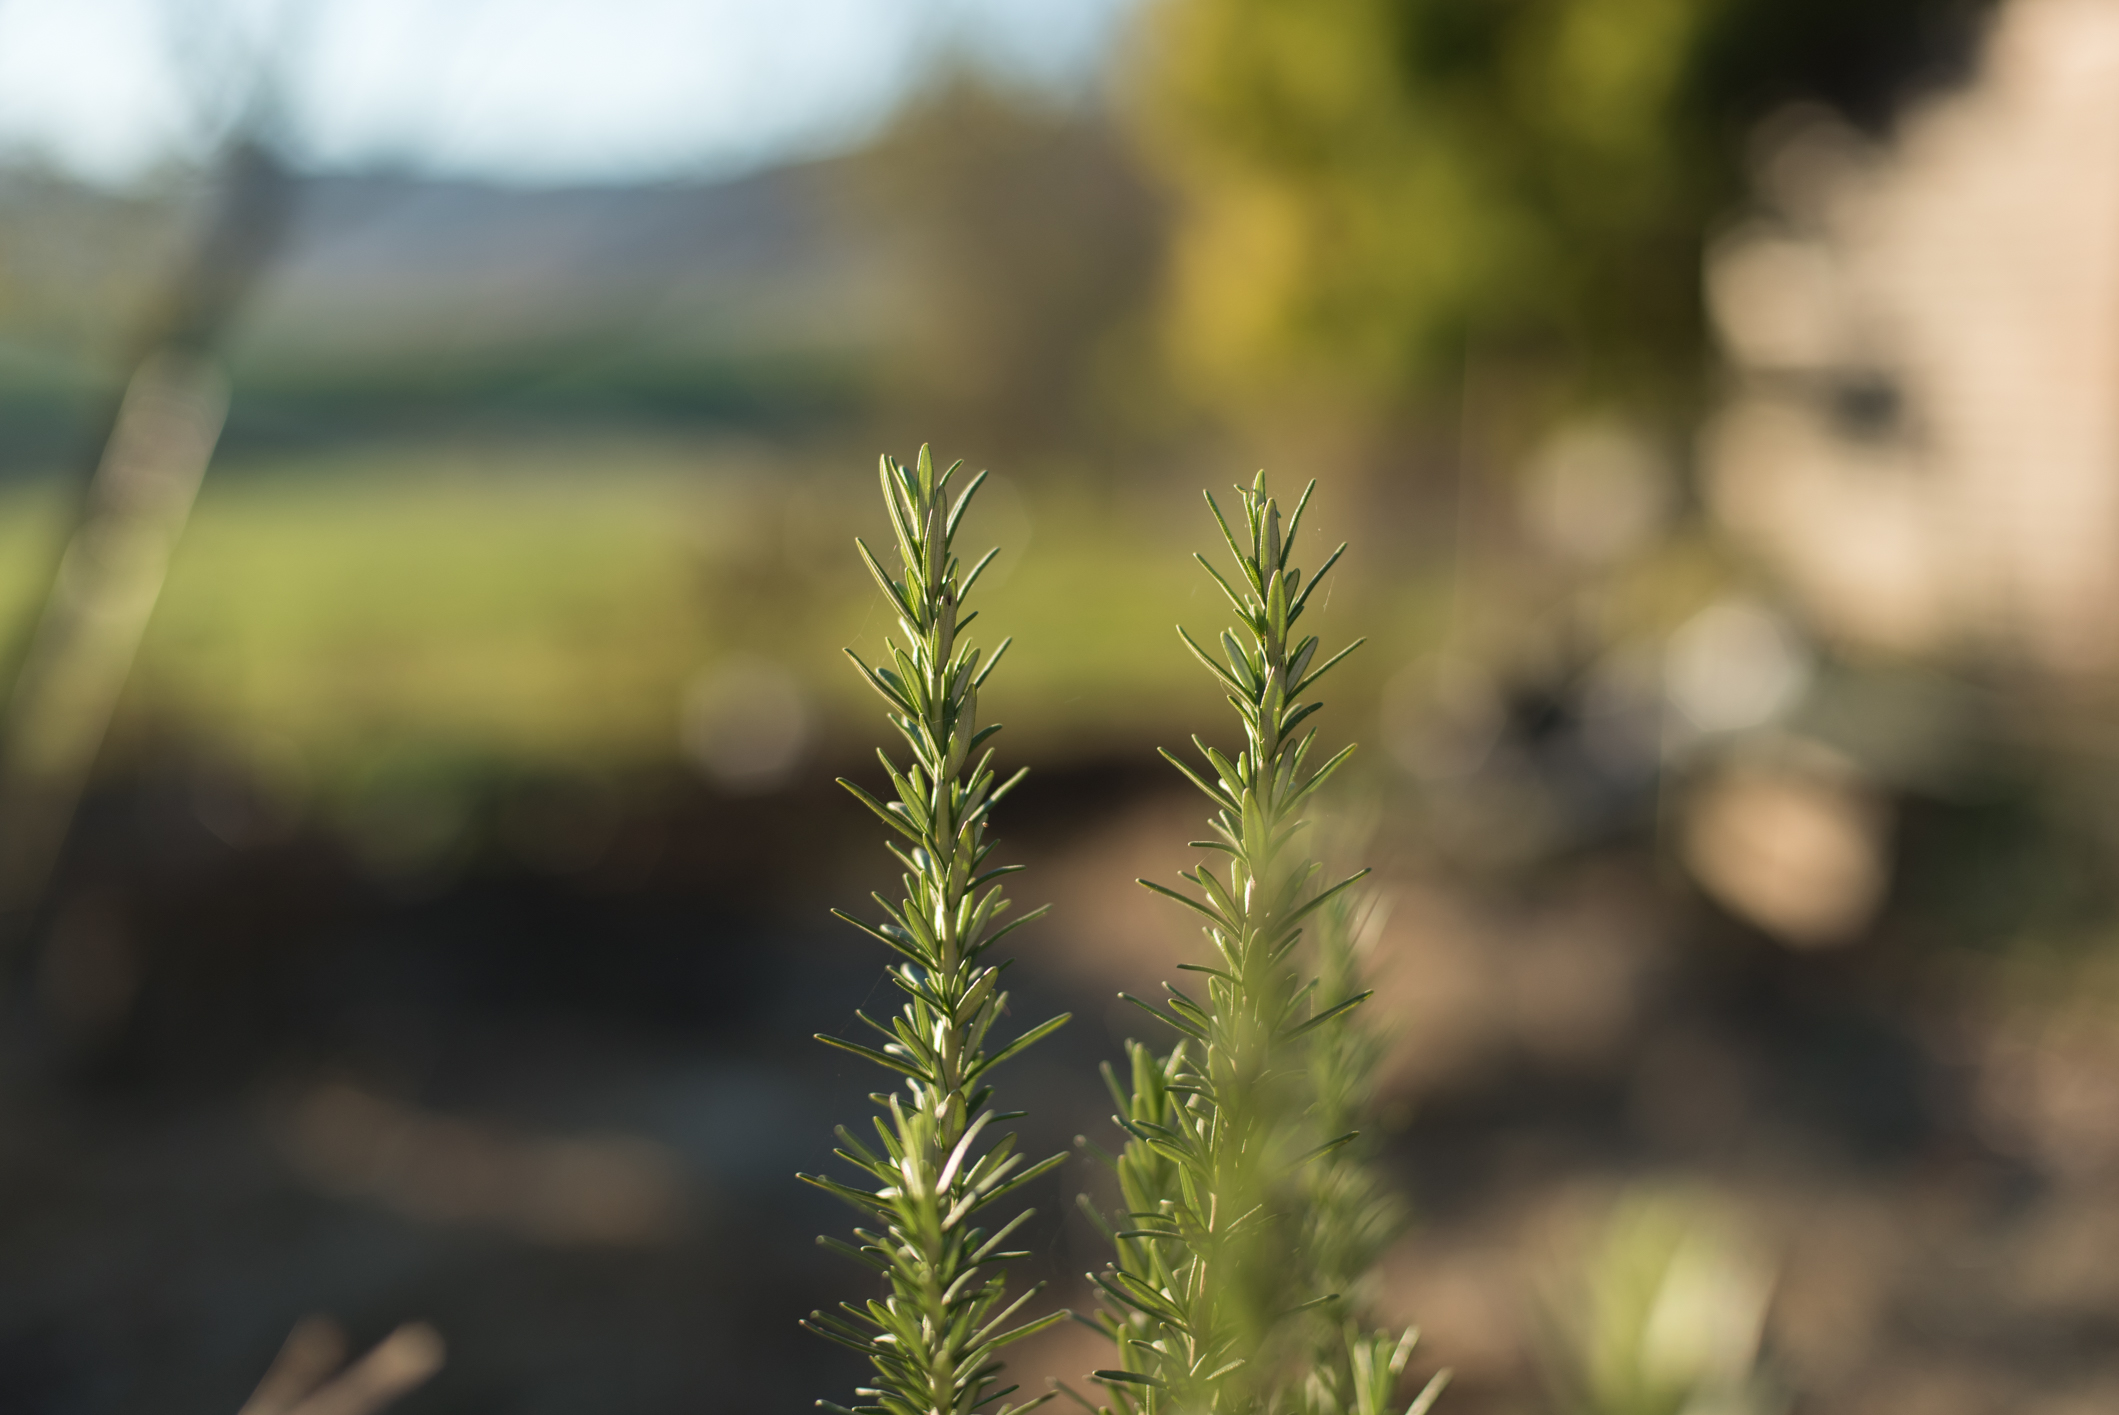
pixel 1225 1293
pixel 933 1334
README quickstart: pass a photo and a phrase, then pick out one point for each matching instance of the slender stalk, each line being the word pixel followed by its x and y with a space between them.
pixel 933 1335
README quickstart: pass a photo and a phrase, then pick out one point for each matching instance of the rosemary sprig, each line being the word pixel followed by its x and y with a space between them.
pixel 1216 1297
pixel 932 1336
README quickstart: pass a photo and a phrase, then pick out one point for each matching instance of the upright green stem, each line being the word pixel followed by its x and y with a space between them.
pixel 933 1335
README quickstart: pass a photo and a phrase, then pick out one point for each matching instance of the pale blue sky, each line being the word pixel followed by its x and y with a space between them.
pixel 524 90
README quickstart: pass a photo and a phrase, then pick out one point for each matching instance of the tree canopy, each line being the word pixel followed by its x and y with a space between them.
pixel 1364 185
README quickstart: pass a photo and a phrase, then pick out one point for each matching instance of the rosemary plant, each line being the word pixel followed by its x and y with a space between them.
pixel 932 1336
pixel 1231 1255
pixel 1662 1312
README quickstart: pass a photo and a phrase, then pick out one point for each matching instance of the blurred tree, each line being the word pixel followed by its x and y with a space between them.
pixel 1035 239
pixel 1366 185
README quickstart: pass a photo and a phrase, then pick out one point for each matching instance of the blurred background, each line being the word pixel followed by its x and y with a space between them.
pixel 432 434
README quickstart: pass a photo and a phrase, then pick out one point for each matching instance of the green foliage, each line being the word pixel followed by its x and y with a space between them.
pixel 934 1335
pixel 1227 1291
pixel 1366 184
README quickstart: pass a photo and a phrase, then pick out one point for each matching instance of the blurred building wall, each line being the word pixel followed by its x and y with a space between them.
pixel 1925 436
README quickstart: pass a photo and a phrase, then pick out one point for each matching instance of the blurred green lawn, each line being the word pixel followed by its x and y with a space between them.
pixel 478 609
